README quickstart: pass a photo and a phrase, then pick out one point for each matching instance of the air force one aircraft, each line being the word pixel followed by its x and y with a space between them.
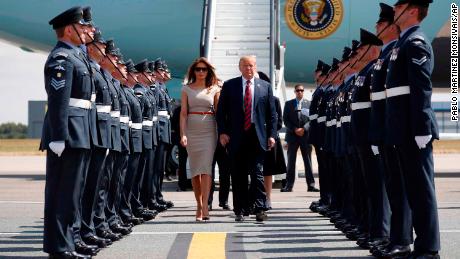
pixel 178 30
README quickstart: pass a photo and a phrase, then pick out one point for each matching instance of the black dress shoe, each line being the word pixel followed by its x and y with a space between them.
pixel 168 204
pixel 116 228
pixel 313 189
pixel 109 235
pixel 398 251
pixel 95 240
pixel 146 215
pixel 261 216
pixel 158 207
pixel 416 255
pixel 84 249
pixel 286 189
pixel 68 255
pixel 239 218
pixel 135 220
pixel 225 206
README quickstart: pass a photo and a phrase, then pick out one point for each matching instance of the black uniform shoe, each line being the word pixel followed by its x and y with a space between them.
pixel 314 206
pixel 312 189
pixel 109 235
pixel 416 255
pixel 68 255
pixel 116 228
pixel 95 240
pixel 286 189
pixel 239 218
pixel 261 216
pixel 397 252
pixel 225 206
pixel 85 249
pixel 134 220
pixel 158 207
pixel 168 204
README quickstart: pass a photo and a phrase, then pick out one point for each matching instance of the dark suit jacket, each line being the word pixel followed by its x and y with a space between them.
pixel 230 112
pixel 291 120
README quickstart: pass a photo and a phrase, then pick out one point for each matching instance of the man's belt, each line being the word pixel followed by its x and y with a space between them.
pixel 80 103
pixel 147 123
pixel 378 96
pixel 321 119
pixel 103 108
pixel 124 119
pixel 339 124
pixel 93 97
pixel 155 118
pixel 115 114
pixel 396 91
pixel 344 119
pixel 163 114
pixel 313 117
pixel 137 126
pixel 360 105
pixel 331 123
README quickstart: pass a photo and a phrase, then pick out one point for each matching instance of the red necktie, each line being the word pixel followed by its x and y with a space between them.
pixel 247 105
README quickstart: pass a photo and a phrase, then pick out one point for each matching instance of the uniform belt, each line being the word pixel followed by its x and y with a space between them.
pixel 103 108
pixel 155 118
pixel 321 119
pixel 130 123
pixel 93 97
pixel 345 119
pixel 378 96
pixel 147 123
pixel 80 103
pixel 333 122
pixel 396 91
pixel 115 114
pixel 124 119
pixel 339 124
pixel 313 117
pixel 136 126
pixel 360 105
pixel 202 113
pixel 163 113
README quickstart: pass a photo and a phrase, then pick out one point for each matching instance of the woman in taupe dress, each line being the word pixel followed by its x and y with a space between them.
pixel 199 98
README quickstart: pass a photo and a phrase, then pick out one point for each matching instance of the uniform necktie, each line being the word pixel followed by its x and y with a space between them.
pixel 247 105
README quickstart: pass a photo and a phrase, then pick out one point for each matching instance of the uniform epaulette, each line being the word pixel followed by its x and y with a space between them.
pixel 416 38
pixel 60 54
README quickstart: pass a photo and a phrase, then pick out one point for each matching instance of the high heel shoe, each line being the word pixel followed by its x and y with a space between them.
pixel 198 215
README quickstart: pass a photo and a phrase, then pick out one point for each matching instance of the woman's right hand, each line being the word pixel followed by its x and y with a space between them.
pixel 183 141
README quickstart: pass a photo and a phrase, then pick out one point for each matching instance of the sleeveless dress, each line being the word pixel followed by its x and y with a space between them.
pixel 201 130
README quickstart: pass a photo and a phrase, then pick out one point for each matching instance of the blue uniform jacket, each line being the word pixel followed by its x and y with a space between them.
pixel 409 90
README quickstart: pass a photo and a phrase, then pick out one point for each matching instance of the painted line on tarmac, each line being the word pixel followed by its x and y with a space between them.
pixel 177 232
pixel 207 245
pixel 22 202
pixel 180 247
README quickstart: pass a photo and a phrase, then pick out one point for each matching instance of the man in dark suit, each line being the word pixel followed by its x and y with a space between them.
pixel 297 124
pixel 246 120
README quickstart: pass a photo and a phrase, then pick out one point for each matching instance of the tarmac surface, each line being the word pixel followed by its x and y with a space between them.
pixel 292 231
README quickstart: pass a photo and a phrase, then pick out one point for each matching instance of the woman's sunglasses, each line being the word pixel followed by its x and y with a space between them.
pixel 201 69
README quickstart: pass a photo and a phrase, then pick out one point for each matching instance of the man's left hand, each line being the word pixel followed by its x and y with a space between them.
pixel 271 143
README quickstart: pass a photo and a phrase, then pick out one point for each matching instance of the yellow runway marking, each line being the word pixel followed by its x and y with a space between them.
pixel 209 245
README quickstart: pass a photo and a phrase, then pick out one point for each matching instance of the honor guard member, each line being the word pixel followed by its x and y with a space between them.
pixel 401 217
pixel 142 187
pixel 113 219
pixel 313 116
pixel 136 145
pixel 96 52
pixel 100 218
pixel 370 165
pixel 408 106
pixel 66 133
pixel 322 112
pixel 164 136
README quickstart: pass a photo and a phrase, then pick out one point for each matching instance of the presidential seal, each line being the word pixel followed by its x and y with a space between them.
pixel 313 19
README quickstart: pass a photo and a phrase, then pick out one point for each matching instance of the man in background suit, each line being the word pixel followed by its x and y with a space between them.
pixel 297 123
pixel 246 120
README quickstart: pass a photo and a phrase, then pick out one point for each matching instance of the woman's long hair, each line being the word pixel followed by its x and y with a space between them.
pixel 211 78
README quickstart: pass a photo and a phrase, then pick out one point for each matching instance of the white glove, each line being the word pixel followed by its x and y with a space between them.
pixel 375 150
pixel 57 147
pixel 422 141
